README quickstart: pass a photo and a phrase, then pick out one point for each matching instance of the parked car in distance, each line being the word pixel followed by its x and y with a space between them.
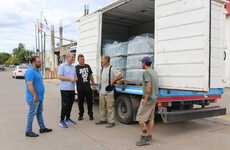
pixel 2 68
pixel 19 71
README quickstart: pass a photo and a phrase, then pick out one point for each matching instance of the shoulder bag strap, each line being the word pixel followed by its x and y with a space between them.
pixel 110 75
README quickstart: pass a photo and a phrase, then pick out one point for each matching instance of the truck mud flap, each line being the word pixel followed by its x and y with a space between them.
pixel 185 115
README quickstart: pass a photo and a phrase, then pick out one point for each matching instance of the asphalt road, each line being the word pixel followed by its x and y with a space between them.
pixel 203 134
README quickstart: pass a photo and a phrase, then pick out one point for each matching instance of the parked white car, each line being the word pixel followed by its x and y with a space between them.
pixel 19 71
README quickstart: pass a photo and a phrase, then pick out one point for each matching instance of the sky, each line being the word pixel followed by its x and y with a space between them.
pixel 18 18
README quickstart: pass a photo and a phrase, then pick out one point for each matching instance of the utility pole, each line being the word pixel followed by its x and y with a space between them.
pixel 38 36
pixel 53 47
pixel 61 39
pixel 36 40
pixel 42 50
pixel 44 53
pixel 61 34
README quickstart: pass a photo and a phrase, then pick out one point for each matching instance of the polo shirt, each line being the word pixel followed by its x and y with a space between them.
pixel 34 75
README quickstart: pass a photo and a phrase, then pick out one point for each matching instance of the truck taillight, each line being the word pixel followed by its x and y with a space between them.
pixel 163 104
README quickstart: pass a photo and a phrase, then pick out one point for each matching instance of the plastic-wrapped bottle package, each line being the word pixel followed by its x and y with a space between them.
pixel 134 61
pixel 115 49
pixel 109 49
pixel 141 44
pixel 134 75
pixel 123 48
pixel 118 62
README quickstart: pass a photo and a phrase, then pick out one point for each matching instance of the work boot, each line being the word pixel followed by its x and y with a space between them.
pixel 101 122
pixel 143 141
pixel 150 139
pixel 31 134
pixel 110 125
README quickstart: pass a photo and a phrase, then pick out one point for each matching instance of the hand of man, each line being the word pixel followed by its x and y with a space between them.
pixel 35 98
pixel 144 102
pixel 94 86
pixel 73 79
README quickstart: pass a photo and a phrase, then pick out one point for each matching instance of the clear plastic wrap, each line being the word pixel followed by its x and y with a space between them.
pixel 134 75
pixel 134 61
pixel 141 44
pixel 109 49
pixel 115 49
pixel 123 49
pixel 119 62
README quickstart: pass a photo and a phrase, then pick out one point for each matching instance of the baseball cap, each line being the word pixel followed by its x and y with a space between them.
pixel 146 60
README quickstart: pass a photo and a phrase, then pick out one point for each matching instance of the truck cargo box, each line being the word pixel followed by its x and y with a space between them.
pixel 189 38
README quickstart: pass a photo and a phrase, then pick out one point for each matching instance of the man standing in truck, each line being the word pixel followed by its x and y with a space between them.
pixel 106 102
pixel 84 75
pixel 146 111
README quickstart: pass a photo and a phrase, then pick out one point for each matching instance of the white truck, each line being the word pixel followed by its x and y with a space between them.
pixel 188 55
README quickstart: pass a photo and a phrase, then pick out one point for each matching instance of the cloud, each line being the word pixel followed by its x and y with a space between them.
pixel 17 19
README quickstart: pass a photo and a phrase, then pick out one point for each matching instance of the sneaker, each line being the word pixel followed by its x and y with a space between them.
pixel 31 134
pixel 70 122
pixel 80 118
pixel 45 130
pixel 143 141
pixel 110 125
pixel 62 124
pixel 101 122
pixel 91 118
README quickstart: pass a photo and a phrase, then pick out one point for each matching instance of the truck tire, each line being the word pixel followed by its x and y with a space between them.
pixel 124 109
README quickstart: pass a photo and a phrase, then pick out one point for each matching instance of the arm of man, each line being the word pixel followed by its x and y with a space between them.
pixel 117 77
pixel 29 77
pixel 148 87
pixel 148 90
pixel 62 77
pixel 91 76
pixel 31 89
pixel 92 79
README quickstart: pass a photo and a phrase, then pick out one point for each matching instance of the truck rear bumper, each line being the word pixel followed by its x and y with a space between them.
pixel 184 115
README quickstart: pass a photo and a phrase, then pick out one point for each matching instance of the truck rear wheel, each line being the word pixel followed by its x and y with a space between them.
pixel 124 109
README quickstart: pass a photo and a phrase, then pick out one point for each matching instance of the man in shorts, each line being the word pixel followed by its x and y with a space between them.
pixel 146 110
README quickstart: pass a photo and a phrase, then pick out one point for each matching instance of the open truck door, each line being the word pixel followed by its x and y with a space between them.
pixel 189 51
pixel 90 41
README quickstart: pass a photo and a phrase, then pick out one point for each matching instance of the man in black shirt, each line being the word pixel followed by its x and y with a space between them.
pixel 84 75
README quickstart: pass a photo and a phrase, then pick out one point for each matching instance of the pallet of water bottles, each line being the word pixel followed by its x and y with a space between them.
pixel 126 56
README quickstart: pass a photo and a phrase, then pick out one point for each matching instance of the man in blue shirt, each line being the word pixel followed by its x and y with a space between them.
pixel 67 77
pixel 34 96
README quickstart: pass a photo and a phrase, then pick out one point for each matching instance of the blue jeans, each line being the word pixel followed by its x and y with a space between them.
pixel 33 110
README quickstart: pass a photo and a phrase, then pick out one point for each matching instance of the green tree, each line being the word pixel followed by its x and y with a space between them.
pixel 20 55
pixel 4 57
pixel 12 61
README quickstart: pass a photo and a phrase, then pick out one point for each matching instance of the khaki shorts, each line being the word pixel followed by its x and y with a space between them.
pixel 146 112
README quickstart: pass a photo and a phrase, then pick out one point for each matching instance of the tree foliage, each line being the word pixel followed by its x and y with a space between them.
pixel 19 55
pixel 4 57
